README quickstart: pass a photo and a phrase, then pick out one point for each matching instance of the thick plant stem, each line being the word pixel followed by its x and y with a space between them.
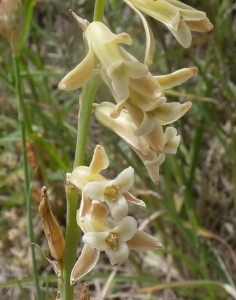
pixel 22 119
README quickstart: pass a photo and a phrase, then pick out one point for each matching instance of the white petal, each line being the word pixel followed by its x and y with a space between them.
pixel 170 133
pixel 118 256
pixel 124 180
pixel 95 190
pixel 118 208
pixel 172 145
pixel 86 262
pixel 126 228
pixel 96 240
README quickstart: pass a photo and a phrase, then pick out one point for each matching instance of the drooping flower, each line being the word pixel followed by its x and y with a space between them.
pixel 180 18
pixel 104 45
pixel 125 127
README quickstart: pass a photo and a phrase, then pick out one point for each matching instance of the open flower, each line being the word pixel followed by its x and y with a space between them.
pixel 180 18
pixel 104 45
pixel 116 242
pixel 110 192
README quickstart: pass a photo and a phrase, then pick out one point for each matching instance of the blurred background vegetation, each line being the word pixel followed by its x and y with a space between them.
pixel 191 212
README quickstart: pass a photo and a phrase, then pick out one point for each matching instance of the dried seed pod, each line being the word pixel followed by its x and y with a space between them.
pixel 52 229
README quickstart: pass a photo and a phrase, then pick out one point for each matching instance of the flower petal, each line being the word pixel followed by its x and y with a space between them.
pixel 126 228
pixel 124 180
pixel 200 26
pixel 86 262
pixel 119 255
pixel 150 41
pixel 182 34
pixel 118 208
pixel 143 242
pixel 130 198
pixel 123 126
pixel 99 161
pixel 176 78
pixel 95 190
pixel 160 10
pixel 96 240
pixel 173 112
pixel 80 74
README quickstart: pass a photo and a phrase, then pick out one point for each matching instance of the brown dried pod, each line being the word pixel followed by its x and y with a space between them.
pixel 52 229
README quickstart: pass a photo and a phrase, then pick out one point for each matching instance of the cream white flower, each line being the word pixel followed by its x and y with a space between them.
pixel 113 242
pixel 116 242
pixel 83 175
pixel 104 45
pixel 111 191
pixel 125 128
pixel 180 18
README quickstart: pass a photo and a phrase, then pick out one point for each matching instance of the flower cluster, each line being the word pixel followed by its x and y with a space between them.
pixel 141 108
pixel 140 112
pixel 103 215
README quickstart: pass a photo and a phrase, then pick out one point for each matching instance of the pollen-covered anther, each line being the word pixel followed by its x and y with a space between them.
pixel 112 241
pixel 111 192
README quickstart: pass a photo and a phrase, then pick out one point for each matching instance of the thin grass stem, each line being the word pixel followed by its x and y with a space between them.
pixel 22 121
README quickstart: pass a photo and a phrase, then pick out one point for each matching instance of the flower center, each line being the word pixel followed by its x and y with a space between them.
pixel 112 241
pixel 111 192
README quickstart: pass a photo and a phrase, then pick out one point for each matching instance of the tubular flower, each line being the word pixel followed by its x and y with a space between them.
pixel 180 18
pixel 104 45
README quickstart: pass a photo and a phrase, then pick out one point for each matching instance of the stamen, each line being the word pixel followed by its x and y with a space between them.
pixel 112 241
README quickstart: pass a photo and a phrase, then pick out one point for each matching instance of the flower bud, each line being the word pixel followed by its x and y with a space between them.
pixel 11 20
pixel 52 229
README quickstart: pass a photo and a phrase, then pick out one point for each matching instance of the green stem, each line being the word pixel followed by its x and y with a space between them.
pixel 99 10
pixel 22 121
pixel 87 99
pixel 72 237
pixel 72 229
